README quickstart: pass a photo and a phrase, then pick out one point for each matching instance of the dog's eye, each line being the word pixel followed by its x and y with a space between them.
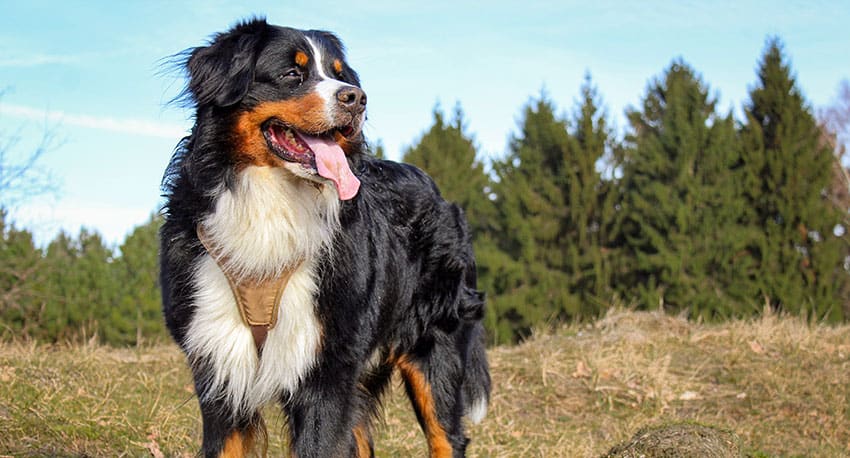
pixel 292 75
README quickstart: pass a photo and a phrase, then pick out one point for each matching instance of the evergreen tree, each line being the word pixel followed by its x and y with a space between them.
pixel 80 287
pixel 448 154
pixel 801 258
pixel 680 203
pixel 20 269
pixel 137 314
pixel 532 285
pixel 61 318
pixel 590 203
pixel 377 150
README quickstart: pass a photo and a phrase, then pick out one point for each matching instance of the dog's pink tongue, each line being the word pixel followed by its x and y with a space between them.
pixel 331 164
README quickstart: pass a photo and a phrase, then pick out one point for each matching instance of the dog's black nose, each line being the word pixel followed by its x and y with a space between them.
pixel 352 99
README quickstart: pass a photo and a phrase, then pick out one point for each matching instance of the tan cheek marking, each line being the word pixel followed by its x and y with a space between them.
pixel 306 114
pixel 337 66
pixel 301 59
pixel 438 442
pixel 251 147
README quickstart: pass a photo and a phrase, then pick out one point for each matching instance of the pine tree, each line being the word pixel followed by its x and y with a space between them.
pixel 59 316
pixel 96 285
pixel 801 258
pixel 448 154
pixel 20 270
pixel 590 203
pixel 80 288
pixel 377 150
pixel 137 315
pixel 532 285
pixel 680 203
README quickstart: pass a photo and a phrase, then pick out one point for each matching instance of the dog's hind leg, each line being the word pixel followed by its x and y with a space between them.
pixel 373 384
pixel 476 379
pixel 432 375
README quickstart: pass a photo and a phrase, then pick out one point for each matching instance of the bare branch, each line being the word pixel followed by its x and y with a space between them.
pixel 834 121
pixel 22 177
pixel 836 118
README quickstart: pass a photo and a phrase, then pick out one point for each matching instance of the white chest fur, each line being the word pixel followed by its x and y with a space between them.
pixel 267 223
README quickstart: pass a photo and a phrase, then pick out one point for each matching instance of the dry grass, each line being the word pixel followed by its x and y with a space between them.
pixel 780 384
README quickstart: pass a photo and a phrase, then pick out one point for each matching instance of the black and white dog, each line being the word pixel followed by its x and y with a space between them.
pixel 297 269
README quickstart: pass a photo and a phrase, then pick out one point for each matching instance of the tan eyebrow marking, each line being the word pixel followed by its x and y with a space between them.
pixel 301 59
pixel 337 66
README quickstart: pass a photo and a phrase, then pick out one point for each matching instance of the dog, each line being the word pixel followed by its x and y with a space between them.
pixel 298 269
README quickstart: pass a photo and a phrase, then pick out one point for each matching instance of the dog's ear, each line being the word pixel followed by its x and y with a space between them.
pixel 222 72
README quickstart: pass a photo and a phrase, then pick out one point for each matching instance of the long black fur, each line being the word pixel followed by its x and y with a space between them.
pixel 406 283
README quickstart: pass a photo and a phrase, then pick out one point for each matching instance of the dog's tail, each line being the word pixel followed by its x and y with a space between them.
pixel 476 381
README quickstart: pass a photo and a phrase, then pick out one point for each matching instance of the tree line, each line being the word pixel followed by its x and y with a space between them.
pixel 78 288
pixel 691 211
pixel 697 213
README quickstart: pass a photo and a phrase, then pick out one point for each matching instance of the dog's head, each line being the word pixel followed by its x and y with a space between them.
pixel 291 99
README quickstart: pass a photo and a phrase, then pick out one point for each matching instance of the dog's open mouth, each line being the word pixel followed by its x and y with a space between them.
pixel 314 152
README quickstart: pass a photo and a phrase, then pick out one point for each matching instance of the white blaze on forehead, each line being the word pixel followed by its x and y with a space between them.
pixel 327 87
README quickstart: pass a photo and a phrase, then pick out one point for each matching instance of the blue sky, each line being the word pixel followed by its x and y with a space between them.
pixel 91 73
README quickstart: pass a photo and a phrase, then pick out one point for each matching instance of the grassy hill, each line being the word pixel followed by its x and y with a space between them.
pixel 780 384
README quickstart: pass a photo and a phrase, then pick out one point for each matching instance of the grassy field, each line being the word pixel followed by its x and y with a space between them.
pixel 780 384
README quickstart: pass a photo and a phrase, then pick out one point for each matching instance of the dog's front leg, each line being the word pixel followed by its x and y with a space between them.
pixel 228 434
pixel 321 417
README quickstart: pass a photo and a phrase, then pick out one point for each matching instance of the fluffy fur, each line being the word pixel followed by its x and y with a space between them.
pixel 382 281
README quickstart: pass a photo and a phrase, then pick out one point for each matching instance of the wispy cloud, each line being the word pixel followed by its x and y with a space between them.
pixel 130 126
pixel 17 57
pixel 34 60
